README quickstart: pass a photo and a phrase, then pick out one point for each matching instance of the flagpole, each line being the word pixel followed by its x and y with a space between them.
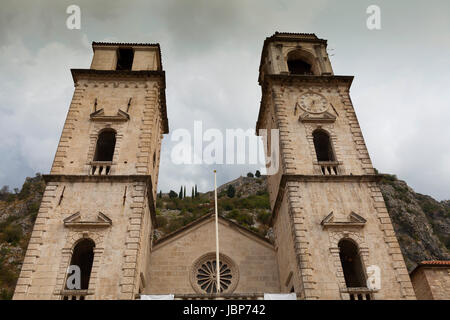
pixel 217 234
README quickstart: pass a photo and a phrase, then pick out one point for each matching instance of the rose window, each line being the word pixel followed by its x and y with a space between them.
pixel 204 274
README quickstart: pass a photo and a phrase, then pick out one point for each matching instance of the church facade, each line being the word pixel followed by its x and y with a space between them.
pixel 332 231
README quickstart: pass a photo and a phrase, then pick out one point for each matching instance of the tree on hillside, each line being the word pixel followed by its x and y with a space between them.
pixel 250 175
pixel 4 193
pixel 160 194
pixel 172 194
pixel 192 195
pixel 184 192
pixel 196 193
pixel 180 194
pixel 257 174
pixel 231 191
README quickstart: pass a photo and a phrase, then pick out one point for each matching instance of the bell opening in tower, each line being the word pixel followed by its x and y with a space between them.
pixel 106 143
pixel 351 264
pixel 300 62
pixel 83 257
pixel 124 59
pixel 322 144
pixel 299 67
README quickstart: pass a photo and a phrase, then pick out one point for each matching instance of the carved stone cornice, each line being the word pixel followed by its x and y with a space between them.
pixel 290 79
pixel 324 117
pixel 354 220
pixel 99 115
pixel 96 178
pixel 117 74
pixel 75 221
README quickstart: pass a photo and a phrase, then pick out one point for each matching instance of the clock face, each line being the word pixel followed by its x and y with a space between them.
pixel 313 102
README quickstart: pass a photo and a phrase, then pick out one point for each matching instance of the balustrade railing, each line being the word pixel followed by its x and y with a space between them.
pixel 100 168
pixel 359 293
pixel 328 168
pixel 74 294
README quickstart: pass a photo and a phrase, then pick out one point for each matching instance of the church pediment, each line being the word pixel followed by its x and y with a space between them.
pixel 353 220
pixel 75 220
pixel 209 219
pixel 100 115
pixel 322 117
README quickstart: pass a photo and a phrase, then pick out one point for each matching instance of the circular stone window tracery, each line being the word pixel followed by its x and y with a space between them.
pixel 204 274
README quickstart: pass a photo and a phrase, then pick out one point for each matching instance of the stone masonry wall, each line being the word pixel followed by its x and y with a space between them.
pixel 432 283
pixel 171 261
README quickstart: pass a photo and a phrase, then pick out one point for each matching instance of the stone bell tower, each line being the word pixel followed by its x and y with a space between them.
pixel 331 226
pixel 98 209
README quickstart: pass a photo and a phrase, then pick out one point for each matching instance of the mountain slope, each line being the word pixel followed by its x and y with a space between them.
pixel 18 212
pixel 422 224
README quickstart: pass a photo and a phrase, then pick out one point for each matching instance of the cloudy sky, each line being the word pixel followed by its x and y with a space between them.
pixel 211 51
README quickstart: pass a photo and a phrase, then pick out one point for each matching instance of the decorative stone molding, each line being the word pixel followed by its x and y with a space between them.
pixel 324 117
pixel 75 221
pixel 100 116
pixel 354 220
pixel 203 275
pixel 113 83
pixel 356 235
pixel 147 130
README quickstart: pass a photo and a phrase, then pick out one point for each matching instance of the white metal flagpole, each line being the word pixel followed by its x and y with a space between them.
pixel 217 234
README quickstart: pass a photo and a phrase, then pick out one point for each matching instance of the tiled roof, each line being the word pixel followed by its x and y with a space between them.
pixel 295 34
pixel 125 44
pixel 292 36
pixel 431 263
pixel 435 262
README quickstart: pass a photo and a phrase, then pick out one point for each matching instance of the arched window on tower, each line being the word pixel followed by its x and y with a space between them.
pixel 352 266
pixel 322 144
pixel 83 257
pixel 324 152
pixel 106 143
pixel 301 62
pixel 104 152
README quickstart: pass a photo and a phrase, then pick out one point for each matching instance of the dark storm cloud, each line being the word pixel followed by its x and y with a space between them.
pixel 211 52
